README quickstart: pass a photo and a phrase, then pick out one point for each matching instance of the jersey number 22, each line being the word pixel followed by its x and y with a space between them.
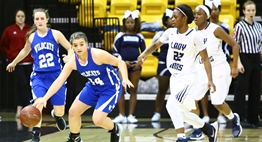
pixel 46 60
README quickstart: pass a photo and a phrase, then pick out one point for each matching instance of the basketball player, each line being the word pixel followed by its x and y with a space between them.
pixel 185 44
pixel 213 35
pixel 43 42
pixel 163 74
pixel 102 91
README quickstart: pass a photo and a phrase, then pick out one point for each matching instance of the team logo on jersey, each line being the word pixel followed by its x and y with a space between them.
pixel 205 40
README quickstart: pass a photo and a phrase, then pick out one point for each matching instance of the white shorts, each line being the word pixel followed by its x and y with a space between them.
pixel 222 80
pixel 186 89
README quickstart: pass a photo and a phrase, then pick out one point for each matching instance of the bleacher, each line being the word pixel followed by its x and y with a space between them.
pixel 150 11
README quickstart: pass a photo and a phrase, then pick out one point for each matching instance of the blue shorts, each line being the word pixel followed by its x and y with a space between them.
pixel 162 69
pixel 41 82
pixel 104 99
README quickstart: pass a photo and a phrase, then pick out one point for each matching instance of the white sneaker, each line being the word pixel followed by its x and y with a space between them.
pixel 221 120
pixel 156 125
pixel 131 119
pixel 206 119
pixel 120 119
pixel 156 117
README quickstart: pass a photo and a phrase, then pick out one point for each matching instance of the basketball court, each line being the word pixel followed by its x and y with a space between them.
pixel 143 131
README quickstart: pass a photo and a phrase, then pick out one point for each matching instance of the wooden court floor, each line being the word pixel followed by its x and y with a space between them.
pixel 143 131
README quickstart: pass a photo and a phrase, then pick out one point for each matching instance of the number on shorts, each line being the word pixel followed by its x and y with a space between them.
pixel 46 60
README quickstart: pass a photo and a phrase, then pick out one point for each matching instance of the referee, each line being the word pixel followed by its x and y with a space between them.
pixel 249 36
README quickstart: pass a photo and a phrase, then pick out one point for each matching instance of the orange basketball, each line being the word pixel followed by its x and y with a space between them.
pixel 30 116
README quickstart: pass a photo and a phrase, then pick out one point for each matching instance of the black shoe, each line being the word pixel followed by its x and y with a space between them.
pixel 115 134
pixel 60 122
pixel 74 138
pixel 36 136
pixel 77 139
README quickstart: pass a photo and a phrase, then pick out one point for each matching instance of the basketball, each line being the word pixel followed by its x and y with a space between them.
pixel 30 116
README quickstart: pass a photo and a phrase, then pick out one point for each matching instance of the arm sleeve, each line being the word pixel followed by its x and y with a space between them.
pixel 198 42
pixel 4 43
pixel 117 44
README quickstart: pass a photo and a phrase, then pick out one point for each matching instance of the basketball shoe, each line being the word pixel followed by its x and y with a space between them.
pixel 236 126
pixel 116 133
pixel 36 136
pixel 74 138
pixel 60 121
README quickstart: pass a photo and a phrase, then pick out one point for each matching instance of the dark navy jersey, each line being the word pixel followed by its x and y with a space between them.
pixel 227 49
pixel 128 46
pixel 45 52
pixel 101 77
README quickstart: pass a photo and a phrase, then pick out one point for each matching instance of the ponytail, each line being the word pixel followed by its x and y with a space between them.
pixel 32 30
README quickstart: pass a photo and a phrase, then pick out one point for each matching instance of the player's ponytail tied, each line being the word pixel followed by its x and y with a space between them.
pixel 32 30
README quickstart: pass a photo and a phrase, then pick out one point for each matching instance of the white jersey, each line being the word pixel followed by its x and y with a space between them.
pixel 213 45
pixel 183 50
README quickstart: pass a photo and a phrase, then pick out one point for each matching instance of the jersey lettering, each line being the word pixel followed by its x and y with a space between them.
pixel 176 66
pixel 178 46
pixel 91 73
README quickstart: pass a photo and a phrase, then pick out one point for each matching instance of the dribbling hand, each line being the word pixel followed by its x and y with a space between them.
pixel 10 67
pixel 40 102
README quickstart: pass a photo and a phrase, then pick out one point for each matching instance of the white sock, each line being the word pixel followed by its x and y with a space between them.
pixel 181 135
pixel 193 119
pixel 230 116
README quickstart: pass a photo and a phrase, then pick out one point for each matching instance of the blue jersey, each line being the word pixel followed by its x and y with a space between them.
pixel 45 52
pixel 126 46
pixel 101 77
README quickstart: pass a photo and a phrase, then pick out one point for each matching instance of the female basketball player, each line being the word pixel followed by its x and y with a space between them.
pixel 184 46
pixel 102 91
pixel 213 35
pixel 128 45
pixel 162 71
pixel 43 42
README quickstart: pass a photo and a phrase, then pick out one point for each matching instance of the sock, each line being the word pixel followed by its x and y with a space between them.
pixel 205 128
pixel 230 116
pixel 181 135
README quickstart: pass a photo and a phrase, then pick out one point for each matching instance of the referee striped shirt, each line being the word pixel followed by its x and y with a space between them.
pixel 249 37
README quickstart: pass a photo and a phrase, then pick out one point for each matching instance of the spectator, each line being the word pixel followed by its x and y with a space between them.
pixel 128 45
pixel 12 42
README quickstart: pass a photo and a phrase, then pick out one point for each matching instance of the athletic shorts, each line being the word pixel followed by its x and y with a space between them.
pixel 222 80
pixel 162 69
pixel 186 89
pixel 41 82
pixel 104 100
